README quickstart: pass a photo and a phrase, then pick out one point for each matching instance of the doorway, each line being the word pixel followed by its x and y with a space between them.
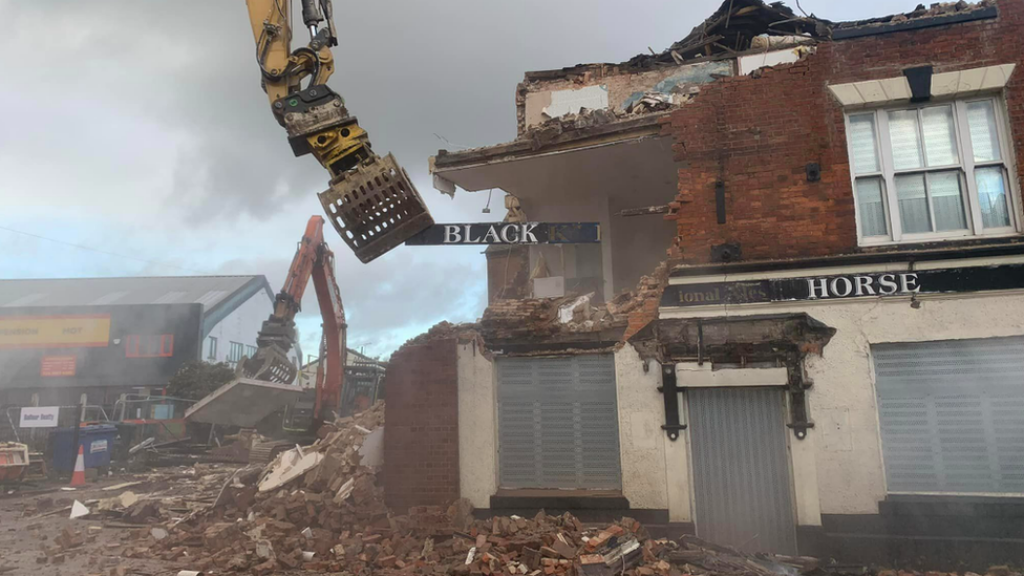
pixel 742 488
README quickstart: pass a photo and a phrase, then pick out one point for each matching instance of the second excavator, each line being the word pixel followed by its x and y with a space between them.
pixel 313 259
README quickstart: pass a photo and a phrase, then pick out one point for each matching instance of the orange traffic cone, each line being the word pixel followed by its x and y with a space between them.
pixel 78 476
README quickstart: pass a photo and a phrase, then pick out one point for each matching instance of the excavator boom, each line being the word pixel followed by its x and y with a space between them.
pixel 313 259
pixel 371 201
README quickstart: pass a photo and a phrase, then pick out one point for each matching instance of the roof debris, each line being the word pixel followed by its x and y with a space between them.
pixel 732 28
pixel 933 11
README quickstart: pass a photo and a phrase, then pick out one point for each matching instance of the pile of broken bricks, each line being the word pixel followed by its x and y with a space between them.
pixel 321 509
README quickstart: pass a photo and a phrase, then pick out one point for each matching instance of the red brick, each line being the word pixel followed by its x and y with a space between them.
pixel 421 447
pixel 757 134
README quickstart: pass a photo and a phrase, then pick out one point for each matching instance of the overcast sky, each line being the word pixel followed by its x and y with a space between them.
pixel 140 129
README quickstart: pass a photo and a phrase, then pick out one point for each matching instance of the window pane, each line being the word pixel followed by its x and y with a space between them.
pixel 913 204
pixel 903 134
pixel 939 136
pixel 863 144
pixel 870 207
pixel 981 117
pixel 947 201
pixel 992 197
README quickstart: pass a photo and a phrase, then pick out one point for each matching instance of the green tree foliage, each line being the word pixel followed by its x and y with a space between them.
pixel 197 379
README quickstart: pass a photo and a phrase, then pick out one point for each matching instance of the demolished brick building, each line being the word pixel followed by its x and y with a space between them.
pixel 801 331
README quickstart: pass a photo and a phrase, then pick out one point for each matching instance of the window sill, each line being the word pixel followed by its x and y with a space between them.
pixel 936 240
pixel 560 499
pixel 952 505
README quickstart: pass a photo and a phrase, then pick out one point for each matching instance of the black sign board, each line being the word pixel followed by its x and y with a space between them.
pixel 508 233
pixel 846 286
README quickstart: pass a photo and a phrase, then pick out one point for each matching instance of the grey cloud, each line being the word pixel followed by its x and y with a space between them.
pixel 156 116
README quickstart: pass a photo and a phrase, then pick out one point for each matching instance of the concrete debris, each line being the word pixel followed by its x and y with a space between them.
pixel 78 510
pixel 290 465
pixel 545 318
pixel 548 131
pixel 310 507
pixel 568 312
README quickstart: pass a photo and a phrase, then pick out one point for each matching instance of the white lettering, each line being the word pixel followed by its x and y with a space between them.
pixel 887 284
pixel 527 235
pixel 813 290
pixel 507 235
pixel 491 236
pixel 908 283
pixel 846 282
pixel 451 234
pixel 469 239
pixel 864 285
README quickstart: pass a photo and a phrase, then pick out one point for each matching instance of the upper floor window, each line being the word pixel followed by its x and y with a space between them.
pixel 931 172
pixel 212 354
pixel 149 346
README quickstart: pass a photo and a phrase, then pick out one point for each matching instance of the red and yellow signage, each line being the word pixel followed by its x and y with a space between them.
pixel 57 366
pixel 82 331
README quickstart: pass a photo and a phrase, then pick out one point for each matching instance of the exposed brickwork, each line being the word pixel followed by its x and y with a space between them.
pixel 642 307
pixel 508 272
pixel 421 440
pixel 757 133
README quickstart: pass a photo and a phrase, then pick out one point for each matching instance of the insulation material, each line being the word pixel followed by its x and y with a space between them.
pixel 748 64
pixel 572 101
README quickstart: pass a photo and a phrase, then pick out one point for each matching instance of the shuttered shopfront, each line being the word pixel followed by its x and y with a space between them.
pixel 952 415
pixel 558 422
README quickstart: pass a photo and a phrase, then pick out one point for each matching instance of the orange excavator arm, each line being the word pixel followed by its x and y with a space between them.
pixel 313 259
pixel 330 377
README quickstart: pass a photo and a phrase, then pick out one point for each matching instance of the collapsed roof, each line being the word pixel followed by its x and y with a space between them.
pixel 732 28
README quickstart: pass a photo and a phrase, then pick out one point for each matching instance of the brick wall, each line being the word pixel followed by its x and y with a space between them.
pixel 421 438
pixel 757 133
pixel 508 272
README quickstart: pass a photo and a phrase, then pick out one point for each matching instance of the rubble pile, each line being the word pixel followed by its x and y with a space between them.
pixel 444 330
pixel 538 318
pixel 296 511
pixel 549 130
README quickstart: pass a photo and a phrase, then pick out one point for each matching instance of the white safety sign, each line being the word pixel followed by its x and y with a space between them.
pixel 39 417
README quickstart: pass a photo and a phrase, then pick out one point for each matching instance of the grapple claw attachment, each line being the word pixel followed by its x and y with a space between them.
pixel 270 364
pixel 375 207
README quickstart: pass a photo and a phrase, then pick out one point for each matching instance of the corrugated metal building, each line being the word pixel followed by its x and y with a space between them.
pixel 102 337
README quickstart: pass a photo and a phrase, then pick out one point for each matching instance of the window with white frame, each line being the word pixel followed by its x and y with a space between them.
pixel 932 171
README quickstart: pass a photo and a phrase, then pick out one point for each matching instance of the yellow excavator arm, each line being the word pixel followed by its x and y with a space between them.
pixel 283 70
pixel 370 202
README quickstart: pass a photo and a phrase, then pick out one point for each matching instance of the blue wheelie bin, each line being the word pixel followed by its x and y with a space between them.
pixel 97 442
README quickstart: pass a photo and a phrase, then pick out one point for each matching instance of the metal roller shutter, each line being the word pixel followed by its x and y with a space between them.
pixel 558 422
pixel 742 487
pixel 952 415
